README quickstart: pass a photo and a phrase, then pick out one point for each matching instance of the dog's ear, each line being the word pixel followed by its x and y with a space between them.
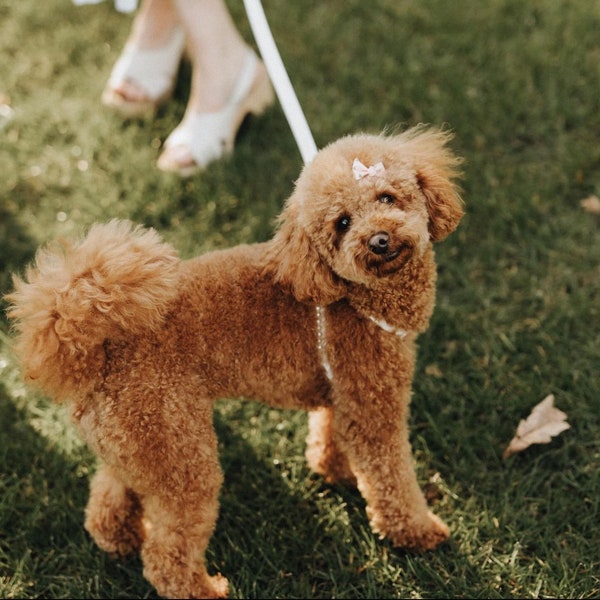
pixel 436 169
pixel 296 264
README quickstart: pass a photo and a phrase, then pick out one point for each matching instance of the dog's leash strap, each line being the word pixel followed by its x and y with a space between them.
pixel 280 79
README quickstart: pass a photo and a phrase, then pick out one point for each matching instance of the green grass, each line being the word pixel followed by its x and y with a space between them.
pixel 517 315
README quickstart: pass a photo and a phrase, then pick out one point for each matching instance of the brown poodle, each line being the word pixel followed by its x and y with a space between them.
pixel 323 317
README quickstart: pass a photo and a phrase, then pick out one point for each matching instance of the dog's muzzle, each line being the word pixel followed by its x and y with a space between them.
pixel 379 244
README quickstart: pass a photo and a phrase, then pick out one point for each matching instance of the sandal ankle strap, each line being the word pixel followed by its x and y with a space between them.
pixel 153 70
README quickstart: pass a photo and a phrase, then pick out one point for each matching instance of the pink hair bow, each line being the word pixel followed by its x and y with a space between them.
pixel 361 170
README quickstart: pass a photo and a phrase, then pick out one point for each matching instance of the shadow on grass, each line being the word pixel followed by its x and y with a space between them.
pixel 281 531
pixel 269 536
pixel 281 527
pixel 44 549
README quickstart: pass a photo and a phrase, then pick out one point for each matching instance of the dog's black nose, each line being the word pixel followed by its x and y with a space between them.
pixel 379 243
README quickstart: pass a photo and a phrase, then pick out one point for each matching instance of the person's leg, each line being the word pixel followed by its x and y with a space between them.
pixel 144 75
pixel 153 24
pixel 228 82
pixel 216 49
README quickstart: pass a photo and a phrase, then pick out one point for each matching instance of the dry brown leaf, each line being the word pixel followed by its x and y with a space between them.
pixel 591 204
pixel 544 422
pixel 433 371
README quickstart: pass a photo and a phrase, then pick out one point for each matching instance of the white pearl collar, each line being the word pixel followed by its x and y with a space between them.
pixel 322 340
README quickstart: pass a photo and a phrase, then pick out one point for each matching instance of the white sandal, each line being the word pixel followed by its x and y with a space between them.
pixel 153 71
pixel 201 138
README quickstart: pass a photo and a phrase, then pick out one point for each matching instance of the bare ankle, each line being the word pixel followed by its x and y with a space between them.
pixel 214 80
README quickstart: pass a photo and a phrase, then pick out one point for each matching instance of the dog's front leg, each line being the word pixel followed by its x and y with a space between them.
pixel 371 427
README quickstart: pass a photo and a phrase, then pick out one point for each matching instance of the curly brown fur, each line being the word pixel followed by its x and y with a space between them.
pixel 140 344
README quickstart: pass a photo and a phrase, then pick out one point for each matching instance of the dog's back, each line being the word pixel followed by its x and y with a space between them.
pixel 120 297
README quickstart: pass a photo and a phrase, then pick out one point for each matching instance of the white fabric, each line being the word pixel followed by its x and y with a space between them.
pixel 124 6
pixel 208 135
pixel 152 70
pixel 402 333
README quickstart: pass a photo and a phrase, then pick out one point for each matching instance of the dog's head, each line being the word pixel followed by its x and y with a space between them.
pixel 363 208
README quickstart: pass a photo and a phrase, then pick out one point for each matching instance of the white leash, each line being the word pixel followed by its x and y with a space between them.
pixel 281 82
pixel 304 140
pixel 296 120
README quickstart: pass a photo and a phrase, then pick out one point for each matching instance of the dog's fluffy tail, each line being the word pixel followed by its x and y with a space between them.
pixel 119 278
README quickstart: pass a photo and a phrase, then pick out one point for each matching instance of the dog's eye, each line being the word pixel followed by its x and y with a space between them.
pixel 386 198
pixel 342 224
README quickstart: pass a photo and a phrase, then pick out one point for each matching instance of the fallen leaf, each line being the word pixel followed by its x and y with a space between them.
pixel 591 204
pixel 433 371
pixel 544 422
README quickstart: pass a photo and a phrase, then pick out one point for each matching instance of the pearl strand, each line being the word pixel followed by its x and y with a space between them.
pixel 321 341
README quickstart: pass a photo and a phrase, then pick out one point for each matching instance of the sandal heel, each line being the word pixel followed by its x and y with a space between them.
pixel 261 95
pixel 204 137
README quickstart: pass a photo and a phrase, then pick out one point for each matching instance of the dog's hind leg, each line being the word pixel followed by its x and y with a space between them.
pixel 113 515
pixel 181 511
pixel 322 451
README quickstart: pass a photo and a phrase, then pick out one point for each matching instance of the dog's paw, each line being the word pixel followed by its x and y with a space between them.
pixel 113 517
pixel 419 534
pixel 115 537
pixel 219 586
pixel 437 533
pixel 187 585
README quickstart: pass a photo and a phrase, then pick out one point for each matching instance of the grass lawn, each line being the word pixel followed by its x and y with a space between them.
pixel 517 316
